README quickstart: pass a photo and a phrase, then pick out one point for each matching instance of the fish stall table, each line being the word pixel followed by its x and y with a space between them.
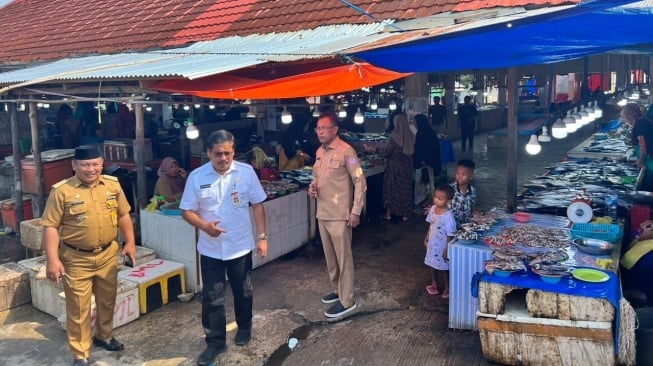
pixel 524 320
pixel 290 223
pixel 597 147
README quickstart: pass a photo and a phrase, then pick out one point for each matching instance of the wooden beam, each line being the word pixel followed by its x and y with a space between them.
pixel 36 150
pixel 18 187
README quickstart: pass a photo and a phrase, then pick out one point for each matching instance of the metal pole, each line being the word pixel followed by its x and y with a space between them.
pixel 511 169
pixel 141 179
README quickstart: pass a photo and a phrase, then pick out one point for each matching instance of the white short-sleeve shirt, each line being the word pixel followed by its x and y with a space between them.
pixel 225 198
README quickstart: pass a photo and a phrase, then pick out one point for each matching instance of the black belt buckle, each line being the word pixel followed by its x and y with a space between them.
pixel 97 250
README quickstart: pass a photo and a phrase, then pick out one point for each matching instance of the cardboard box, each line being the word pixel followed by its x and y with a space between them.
pixel 14 286
pixel 31 234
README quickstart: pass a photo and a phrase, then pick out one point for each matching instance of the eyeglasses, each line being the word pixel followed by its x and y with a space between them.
pixel 323 128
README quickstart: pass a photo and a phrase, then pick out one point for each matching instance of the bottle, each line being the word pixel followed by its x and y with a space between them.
pixel 611 205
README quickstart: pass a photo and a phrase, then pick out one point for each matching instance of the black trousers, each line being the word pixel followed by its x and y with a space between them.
pixel 467 135
pixel 213 296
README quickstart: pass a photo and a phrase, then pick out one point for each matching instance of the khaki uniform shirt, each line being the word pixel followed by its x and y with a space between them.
pixel 339 180
pixel 86 216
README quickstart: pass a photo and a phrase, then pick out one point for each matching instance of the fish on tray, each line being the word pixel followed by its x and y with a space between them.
pixel 550 257
pixel 504 265
pixel 551 269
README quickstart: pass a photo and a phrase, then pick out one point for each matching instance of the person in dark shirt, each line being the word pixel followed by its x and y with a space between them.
pixel 642 140
pixel 438 113
pixel 426 158
pixel 467 114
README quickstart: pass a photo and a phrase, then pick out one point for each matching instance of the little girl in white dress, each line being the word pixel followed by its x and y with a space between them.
pixel 441 230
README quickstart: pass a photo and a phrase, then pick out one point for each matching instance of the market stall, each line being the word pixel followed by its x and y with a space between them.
pixel 523 318
pixel 290 223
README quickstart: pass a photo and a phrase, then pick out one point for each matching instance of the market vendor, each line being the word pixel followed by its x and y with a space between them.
pixel 171 181
pixel 290 154
pixel 637 263
pixel 642 140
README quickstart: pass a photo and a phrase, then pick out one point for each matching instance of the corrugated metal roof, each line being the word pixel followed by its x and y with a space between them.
pixel 204 58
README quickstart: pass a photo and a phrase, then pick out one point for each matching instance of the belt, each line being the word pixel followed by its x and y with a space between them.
pixel 95 250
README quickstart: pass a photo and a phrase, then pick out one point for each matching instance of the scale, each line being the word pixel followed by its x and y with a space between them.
pixel 580 210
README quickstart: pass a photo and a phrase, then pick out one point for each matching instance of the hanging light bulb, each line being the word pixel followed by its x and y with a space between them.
pixel 374 105
pixel 584 116
pixel 544 137
pixel 197 106
pixel 559 130
pixel 570 123
pixel 359 118
pixel 392 106
pixel 590 112
pixel 251 113
pixel 286 117
pixel 597 110
pixel 533 147
pixel 191 131
pixel 211 106
pixel 342 112
pixel 579 119
pixel 316 112
pixel 148 108
pixel 186 107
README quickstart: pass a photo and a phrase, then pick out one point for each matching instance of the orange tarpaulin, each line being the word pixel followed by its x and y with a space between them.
pixel 330 80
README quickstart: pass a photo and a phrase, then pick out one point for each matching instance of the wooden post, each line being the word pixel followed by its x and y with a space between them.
pixel 18 188
pixel 141 179
pixel 511 158
pixel 36 150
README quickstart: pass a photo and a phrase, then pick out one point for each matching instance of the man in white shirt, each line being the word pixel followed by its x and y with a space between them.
pixel 217 200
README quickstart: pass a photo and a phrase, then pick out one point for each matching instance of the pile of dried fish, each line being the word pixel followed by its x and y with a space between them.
pixel 531 236
pixel 487 218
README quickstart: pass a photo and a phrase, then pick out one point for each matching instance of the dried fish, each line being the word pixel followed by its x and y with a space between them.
pixel 551 257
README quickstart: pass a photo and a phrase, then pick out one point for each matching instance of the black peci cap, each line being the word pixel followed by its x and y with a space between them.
pixel 86 153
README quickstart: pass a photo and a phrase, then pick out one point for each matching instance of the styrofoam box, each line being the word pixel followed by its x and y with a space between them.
pixel 149 271
pixel 44 292
pixel 125 310
pixel 31 234
pixel 14 285
pixel 143 255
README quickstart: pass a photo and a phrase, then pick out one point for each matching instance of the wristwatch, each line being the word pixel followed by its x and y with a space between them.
pixel 263 236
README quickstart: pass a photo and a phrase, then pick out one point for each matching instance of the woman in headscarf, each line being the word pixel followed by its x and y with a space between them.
pixel 426 159
pixel 172 179
pixel 398 177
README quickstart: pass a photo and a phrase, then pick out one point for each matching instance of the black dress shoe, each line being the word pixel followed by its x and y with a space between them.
pixel 243 337
pixel 112 345
pixel 208 356
pixel 80 362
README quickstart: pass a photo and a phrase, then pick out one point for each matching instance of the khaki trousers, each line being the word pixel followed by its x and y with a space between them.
pixel 86 274
pixel 336 241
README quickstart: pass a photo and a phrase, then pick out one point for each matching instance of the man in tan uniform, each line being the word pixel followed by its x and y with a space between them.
pixel 339 186
pixel 80 222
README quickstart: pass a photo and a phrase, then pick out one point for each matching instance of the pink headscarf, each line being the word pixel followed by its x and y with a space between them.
pixel 176 181
pixel 402 134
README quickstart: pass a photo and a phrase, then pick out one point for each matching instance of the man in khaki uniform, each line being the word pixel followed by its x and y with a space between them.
pixel 80 222
pixel 339 186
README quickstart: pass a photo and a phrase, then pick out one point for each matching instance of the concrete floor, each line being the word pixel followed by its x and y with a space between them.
pixel 397 323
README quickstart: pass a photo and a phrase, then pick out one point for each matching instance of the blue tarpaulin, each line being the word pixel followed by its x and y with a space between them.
pixel 589 28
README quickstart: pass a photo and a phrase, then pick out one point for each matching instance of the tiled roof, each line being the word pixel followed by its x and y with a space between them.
pixel 37 30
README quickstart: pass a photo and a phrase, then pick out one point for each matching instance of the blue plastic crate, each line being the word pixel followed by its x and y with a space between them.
pixel 607 232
